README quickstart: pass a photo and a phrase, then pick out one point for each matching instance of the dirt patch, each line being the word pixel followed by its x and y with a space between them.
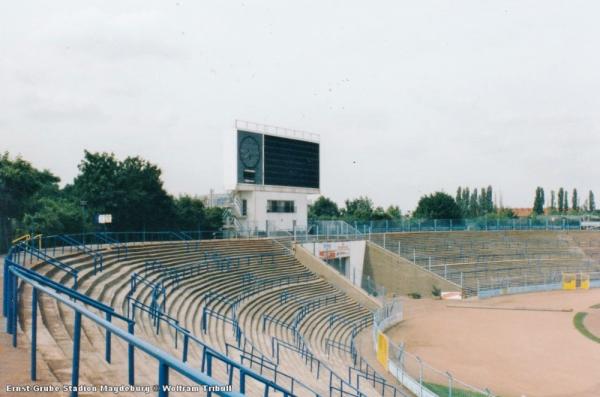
pixel 513 352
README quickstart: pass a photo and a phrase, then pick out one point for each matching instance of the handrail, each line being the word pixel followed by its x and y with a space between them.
pixel 39 238
pixel 24 237
pixel 306 354
pixel 72 293
pixel 97 257
pixel 375 379
pixel 165 360
pixel 262 357
pixel 25 248
pixel 113 243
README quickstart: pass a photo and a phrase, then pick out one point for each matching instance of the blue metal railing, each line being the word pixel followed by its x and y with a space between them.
pixel 207 313
pixel 166 361
pixel 158 292
pixel 378 382
pixel 20 251
pixel 96 256
pixel 40 283
pixel 315 364
pixel 113 243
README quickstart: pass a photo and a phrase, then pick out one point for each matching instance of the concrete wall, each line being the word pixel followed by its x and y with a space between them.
pixel 401 276
pixel 332 276
pixel 353 250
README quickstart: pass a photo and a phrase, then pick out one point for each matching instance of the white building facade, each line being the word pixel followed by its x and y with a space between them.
pixel 269 173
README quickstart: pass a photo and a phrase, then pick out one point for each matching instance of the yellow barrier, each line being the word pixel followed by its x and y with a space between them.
pixel 39 238
pixel 382 349
pixel 584 281
pixel 569 281
pixel 24 237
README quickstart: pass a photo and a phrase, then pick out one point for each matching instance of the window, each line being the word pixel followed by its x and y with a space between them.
pixel 285 206
pixel 244 207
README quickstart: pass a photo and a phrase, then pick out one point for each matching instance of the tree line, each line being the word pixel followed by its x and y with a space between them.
pixel 438 205
pixel 467 203
pixel 559 202
pixel 358 209
pixel 131 190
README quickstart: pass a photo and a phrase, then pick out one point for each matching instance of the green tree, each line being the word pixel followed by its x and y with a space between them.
pixel 538 202
pixel 323 208
pixel 552 200
pixel 575 201
pixel 483 204
pixel 506 213
pixel 379 214
pixel 490 199
pixel 561 199
pixel 474 204
pixel 591 202
pixel 189 213
pixel 437 205
pixel 393 212
pixel 55 215
pixel 566 203
pixel 459 199
pixel 358 209
pixel 213 218
pixel 131 190
pixel 20 184
pixel 466 202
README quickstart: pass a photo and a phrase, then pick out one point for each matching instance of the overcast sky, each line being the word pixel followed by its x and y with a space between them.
pixel 422 95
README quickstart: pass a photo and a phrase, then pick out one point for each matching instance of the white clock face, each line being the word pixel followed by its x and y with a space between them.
pixel 249 152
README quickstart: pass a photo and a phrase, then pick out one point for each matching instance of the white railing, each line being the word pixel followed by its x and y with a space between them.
pixel 275 130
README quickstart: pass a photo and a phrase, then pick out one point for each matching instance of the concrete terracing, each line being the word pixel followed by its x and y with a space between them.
pixel 185 303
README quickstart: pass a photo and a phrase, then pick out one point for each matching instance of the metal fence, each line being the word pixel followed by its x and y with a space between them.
pixel 518 284
pixel 431 225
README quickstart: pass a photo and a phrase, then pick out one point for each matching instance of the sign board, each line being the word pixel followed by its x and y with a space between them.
pixel 104 218
pixel 451 295
pixel 334 251
pixel 326 255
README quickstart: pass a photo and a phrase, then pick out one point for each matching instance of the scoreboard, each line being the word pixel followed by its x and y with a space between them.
pixel 277 161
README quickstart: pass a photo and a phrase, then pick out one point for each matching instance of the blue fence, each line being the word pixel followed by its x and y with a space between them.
pixel 15 272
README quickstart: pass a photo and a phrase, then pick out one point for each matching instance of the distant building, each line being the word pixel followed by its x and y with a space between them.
pixel 522 212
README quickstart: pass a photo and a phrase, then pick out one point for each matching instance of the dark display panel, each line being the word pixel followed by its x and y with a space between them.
pixel 290 162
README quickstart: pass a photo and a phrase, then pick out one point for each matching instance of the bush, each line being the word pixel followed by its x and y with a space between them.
pixel 415 295
pixel 436 291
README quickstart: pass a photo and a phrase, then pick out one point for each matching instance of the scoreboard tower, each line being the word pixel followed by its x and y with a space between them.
pixel 273 172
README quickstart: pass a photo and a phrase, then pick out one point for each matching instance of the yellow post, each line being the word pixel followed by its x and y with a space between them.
pixel 39 238
pixel 382 349
pixel 585 280
pixel 569 281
